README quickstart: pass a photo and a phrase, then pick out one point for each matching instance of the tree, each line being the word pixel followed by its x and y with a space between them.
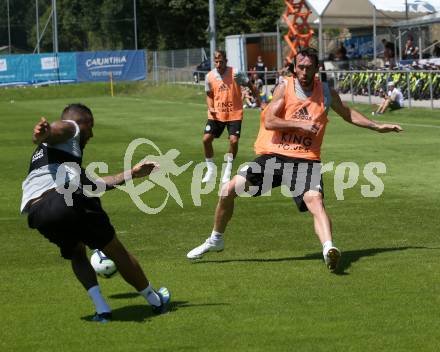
pixel 162 24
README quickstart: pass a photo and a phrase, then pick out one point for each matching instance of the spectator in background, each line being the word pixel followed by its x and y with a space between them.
pixel 341 58
pixel 384 45
pixel 249 100
pixel 260 67
pixel 257 82
pixel 343 51
pixel 436 49
pixel 393 100
pixel 411 51
pixel 389 54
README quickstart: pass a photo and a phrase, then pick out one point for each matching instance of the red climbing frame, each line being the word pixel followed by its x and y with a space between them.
pixel 300 33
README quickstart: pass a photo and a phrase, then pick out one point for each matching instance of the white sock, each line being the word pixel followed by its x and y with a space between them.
pixel 210 164
pixel 326 246
pixel 99 301
pixel 151 296
pixel 228 168
pixel 216 236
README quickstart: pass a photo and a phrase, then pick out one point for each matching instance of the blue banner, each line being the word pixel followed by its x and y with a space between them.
pixel 124 65
pixel 48 68
pixel 37 69
pixel 13 70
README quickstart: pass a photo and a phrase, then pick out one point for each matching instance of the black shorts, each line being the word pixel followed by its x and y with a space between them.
pixel 66 226
pixel 273 170
pixel 216 128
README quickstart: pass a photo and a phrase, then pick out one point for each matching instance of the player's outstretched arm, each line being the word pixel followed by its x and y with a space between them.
pixel 356 118
pixel 57 132
pixel 141 169
pixel 274 122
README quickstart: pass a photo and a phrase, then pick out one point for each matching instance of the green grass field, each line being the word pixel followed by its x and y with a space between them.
pixel 269 290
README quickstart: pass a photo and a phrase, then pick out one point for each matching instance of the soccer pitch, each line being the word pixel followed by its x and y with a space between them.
pixel 269 290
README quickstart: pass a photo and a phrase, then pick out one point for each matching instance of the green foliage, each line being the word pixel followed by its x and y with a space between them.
pixel 108 24
pixel 244 16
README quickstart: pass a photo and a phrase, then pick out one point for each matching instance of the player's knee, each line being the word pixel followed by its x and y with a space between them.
pixel 314 202
pixel 115 249
pixel 228 192
pixel 233 140
pixel 207 138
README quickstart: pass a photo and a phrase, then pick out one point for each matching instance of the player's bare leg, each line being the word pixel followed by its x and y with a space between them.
pixel 209 154
pixel 82 268
pixel 225 205
pixel 385 105
pixel 133 274
pixel 223 214
pixel 323 228
pixel 127 264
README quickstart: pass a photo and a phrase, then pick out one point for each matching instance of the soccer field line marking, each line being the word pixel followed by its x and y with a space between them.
pixel 413 124
pixel 181 102
pixel 8 219
pixel 163 101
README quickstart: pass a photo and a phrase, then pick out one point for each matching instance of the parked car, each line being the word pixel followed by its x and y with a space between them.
pixel 201 71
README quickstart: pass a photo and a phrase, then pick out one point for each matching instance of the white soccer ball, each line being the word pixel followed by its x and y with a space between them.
pixel 104 266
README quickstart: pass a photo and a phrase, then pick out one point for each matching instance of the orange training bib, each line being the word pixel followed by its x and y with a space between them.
pixel 227 96
pixel 296 143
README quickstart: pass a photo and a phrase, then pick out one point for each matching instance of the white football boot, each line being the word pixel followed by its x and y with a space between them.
pixel 332 258
pixel 208 246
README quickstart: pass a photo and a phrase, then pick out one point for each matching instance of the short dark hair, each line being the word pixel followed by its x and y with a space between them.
pixel 221 52
pixel 307 52
pixel 76 108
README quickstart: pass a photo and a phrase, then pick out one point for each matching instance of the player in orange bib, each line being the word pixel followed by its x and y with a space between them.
pixel 289 144
pixel 225 109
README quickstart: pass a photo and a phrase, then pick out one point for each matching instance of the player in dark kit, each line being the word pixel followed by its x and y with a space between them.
pixel 73 223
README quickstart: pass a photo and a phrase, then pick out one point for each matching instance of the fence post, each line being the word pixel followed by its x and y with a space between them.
pixel 408 89
pixel 265 82
pixel 351 87
pixel 369 88
pixel 155 68
pixel 172 65
pixel 431 93
pixel 187 58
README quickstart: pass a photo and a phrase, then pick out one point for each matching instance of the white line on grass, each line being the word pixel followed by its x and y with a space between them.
pixel 163 101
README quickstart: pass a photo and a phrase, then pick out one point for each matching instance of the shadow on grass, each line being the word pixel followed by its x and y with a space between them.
pixel 348 257
pixel 125 295
pixel 142 313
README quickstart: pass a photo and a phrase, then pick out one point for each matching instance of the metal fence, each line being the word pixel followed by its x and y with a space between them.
pixel 420 88
pixel 160 63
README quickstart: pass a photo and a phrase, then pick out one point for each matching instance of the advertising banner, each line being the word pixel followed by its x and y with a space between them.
pixel 123 65
pixel 51 68
pixel 13 70
pixel 37 69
